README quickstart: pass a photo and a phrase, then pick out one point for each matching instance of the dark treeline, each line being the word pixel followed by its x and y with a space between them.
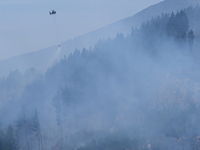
pixel 139 91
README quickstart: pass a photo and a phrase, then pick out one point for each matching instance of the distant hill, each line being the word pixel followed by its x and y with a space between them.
pixel 43 59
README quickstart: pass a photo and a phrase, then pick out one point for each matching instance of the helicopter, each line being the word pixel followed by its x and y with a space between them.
pixel 53 12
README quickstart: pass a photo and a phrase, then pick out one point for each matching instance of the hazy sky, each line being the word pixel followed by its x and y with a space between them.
pixel 27 26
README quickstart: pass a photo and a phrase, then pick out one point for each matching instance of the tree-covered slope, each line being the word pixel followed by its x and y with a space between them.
pixel 42 59
pixel 139 91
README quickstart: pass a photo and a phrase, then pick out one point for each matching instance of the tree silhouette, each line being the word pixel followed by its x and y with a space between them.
pixel 57 103
pixel 178 25
pixel 190 37
pixel 10 139
pixel 35 126
pixel 23 130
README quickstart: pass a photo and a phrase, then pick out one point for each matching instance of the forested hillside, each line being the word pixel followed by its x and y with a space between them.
pixel 133 92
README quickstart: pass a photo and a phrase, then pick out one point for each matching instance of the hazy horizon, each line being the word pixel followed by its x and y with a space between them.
pixel 138 89
pixel 26 26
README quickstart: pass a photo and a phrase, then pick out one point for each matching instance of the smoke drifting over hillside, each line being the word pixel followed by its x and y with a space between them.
pixel 139 91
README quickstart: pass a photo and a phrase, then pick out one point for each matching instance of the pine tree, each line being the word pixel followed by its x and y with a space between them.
pixel 190 37
pixel 57 103
pixel 2 142
pixel 10 139
pixel 181 22
pixel 22 130
pixel 35 126
pixel 178 25
pixel 170 25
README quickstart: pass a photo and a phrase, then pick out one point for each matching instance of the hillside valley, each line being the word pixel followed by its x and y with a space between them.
pixel 135 91
pixel 41 60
